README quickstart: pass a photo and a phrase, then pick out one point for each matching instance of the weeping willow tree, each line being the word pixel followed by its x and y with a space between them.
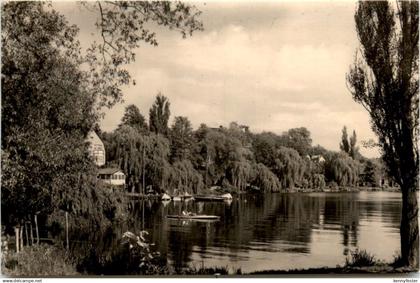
pixel 264 179
pixel 129 154
pixel 143 158
pixel 342 169
pixel 157 166
pixel 183 178
pixel 317 181
pixel 314 174
pixel 240 174
pixel 289 167
pixel 92 205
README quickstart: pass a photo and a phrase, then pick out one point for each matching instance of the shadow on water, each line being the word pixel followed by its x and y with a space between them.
pixel 256 231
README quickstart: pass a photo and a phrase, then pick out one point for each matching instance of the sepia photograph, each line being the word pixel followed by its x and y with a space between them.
pixel 231 139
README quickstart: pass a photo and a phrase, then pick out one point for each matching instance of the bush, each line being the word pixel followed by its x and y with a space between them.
pixel 333 185
pixel 133 255
pixel 397 262
pixel 360 259
pixel 140 254
pixel 38 260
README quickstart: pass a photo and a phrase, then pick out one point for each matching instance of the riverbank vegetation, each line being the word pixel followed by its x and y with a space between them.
pixel 38 260
pixel 177 159
pixel 133 259
pixel 359 262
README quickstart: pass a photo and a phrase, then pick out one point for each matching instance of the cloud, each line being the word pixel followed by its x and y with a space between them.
pixel 271 66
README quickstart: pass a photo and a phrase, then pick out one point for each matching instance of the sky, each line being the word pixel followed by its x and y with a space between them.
pixel 269 65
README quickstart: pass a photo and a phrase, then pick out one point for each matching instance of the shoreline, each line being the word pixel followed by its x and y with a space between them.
pixel 381 270
pixel 292 191
pixel 345 190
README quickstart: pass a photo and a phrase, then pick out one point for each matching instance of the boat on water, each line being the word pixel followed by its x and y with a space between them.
pixel 166 197
pixel 194 217
pixel 187 196
pixel 224 197
pixel 182 197
pixel 178 196
pixel 227 196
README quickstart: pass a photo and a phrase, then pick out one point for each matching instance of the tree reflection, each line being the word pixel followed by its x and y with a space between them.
pixel 274 223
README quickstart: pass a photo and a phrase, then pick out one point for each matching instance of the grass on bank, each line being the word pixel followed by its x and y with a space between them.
pixel 46 260
pixel 361 258
pixel 360 261
pixel 38 260
pixel 216 270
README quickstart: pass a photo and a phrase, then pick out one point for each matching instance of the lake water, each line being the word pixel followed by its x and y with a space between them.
pixel 272 231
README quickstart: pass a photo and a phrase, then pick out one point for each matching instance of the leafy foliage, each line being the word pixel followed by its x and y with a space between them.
pixel 348 145
pixel 265 179
pixel 185 178
pixel 52 93
pixel 343 170
pixel 385 82
pixel 46 111
pixel 289 167
pixel 123 26
pixel 300 140
pixel 371 174
pixel 132 117
pixel 264 147
pixel 344 145
pixel 159 115
pixel 139 250
pixel 181 139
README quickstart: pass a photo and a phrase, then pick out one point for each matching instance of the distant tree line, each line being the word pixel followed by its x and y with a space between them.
pixel 175 158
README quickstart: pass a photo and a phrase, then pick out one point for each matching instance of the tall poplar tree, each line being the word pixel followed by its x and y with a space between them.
pixel 385 80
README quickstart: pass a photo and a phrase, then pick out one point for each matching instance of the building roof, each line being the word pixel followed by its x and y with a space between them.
pixel 109 171
pixel 93 138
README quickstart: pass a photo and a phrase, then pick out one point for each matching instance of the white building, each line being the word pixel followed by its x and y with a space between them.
pixel 96 148
pixel 112 176
pixel 318 158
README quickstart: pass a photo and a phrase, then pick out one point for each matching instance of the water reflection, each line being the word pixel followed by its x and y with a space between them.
pixel 276 231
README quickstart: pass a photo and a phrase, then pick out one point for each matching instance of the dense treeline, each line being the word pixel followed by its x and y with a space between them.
pixel 175 158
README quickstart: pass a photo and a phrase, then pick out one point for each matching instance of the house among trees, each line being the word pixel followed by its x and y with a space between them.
pixel 316 158
pixel 112 176
pixel 96 148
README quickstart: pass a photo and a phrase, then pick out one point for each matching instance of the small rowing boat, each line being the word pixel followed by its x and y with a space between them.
pixel 193 217
pixel 224 197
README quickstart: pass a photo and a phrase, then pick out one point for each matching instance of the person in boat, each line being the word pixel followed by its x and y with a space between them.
pixel 185 213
